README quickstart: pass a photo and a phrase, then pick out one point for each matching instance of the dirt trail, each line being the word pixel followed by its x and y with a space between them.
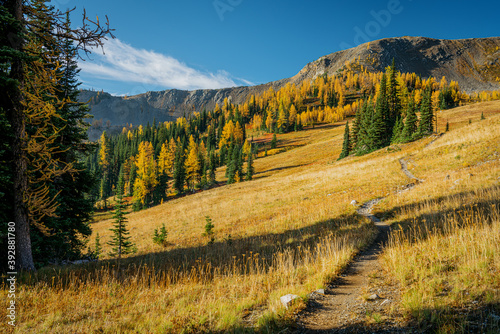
pixel 404 168
pixel 360 300
pixel 344 307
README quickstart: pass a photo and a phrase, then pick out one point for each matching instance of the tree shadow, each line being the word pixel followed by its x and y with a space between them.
pixel 224 256
pixel 278 169
pixel 435 220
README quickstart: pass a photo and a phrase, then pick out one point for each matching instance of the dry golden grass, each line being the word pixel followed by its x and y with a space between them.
pixel 446 254
pixel 447 260
pixel 290 230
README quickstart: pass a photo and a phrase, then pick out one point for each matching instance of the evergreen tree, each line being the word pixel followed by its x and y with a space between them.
pixel 346 146
pixel 378 131
pixel 393 100
pixel 365 123
pixel 356 126
pixel 209 230
pixel 426 125
pixel 120 243
pixel 274 141
pixel 397 131
pixel 32 36
pixel 179 171
pixel 212 167
pixel 410 125
pixel 239 164
pixel 70 225
pixel 232 167
pixel 250 168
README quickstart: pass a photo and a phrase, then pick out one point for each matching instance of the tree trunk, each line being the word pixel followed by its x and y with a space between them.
pixel 12 101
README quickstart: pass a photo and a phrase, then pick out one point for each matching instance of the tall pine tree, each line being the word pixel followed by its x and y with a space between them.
pixel 378 132
pixel 346 146
pixel 426 125
pixel 410 126
pixel 120 243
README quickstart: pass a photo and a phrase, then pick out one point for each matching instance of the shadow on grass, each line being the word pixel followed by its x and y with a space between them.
pixel 278 169
pixel 466 202
pixel 227 256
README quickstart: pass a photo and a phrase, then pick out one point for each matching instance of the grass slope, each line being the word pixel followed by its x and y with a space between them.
pixel 291 230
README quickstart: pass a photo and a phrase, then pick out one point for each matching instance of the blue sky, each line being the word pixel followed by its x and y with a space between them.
pixel 191 44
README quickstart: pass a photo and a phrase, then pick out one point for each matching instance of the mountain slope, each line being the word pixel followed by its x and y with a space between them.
pixel 291 231
pixel 473 63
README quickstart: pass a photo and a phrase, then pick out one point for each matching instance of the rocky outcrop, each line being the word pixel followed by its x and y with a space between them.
pixel 473 63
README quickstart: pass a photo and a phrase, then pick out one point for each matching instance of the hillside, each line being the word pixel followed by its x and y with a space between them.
pixel 473 63
pixel 293 230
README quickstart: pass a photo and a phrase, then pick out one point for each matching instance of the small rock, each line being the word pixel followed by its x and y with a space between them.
pixel 447 177
pixel 387 301
pixel 354 203
pixel 374 297
pixel 320 291
pixel 288 299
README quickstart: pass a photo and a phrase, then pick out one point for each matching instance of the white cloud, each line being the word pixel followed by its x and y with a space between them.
pixel 122 62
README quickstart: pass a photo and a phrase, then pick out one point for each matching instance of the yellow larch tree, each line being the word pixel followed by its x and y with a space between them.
pixel 192 164
pixel 147 179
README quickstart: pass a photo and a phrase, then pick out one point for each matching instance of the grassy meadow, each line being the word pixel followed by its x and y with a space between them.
pixel 291 230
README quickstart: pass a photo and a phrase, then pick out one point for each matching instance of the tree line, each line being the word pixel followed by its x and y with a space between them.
pixel 384 121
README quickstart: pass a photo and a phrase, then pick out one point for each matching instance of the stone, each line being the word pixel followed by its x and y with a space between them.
pixel 320 291
pixel 354 203
pixel 374 297
pixel 387 301
pixel 288 299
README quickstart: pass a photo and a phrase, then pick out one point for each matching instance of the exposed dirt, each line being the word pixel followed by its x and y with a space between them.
pixel 404 168
pixel 361 300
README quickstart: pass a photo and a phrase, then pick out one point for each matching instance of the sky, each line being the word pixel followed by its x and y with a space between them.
pixel 201 44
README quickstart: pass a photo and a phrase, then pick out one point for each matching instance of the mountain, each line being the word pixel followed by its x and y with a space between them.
pixel 474 63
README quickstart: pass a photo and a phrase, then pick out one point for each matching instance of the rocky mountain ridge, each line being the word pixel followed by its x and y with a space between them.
pixel 474 63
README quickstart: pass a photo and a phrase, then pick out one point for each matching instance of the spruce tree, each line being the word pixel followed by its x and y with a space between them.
pixel 393 100
pixel 179 171
pixel 120 243
pixel 239 163
pixel 410 126
pixel 250 169
pixel 378 132
pixel 426 125
pixel 365 122
pixel 356 126
pixel 274 141
pixel 70 226
pixel 212 167
pixel 346 146
pixel 397 131
pixel 232 167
